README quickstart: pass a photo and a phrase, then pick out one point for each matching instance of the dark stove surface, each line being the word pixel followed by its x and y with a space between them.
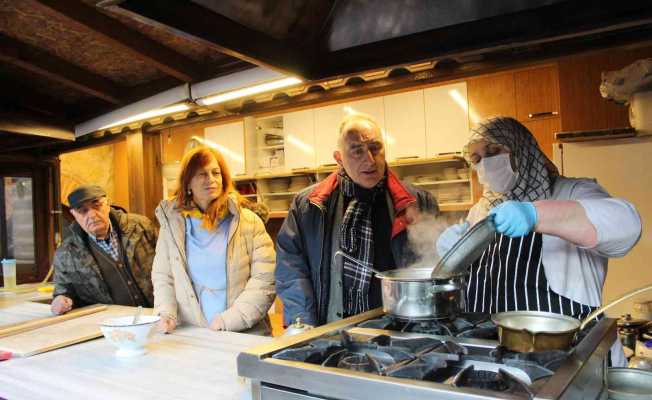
pixel 428 358
pixel 468 325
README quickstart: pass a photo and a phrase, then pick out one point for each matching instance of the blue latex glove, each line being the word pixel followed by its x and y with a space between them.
pixel 450 236
pixel 514 218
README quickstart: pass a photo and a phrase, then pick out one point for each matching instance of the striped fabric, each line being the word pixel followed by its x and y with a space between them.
pixel 509 276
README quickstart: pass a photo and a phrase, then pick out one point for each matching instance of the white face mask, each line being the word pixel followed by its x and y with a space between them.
pixel 496 172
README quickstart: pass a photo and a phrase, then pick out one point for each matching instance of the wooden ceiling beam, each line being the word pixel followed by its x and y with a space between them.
pixel 135 43
pixel 36 61
pixel 15 94
pixel 220 33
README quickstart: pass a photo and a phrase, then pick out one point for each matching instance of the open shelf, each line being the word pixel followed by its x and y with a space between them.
pixel 455 206
pixel 278 214
pixel 271 194
pixel 430 183
pixel 275 147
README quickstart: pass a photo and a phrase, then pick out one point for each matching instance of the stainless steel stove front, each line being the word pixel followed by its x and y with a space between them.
pixel 581 376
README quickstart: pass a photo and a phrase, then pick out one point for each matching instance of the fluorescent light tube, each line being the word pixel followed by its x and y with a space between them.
pixel 149 114
pixel 260 88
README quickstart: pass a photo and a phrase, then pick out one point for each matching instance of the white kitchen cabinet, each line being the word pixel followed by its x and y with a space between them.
pixel 229 140
pixel 299 133
pixel 327 123
pixel 405 126
pixel 447 120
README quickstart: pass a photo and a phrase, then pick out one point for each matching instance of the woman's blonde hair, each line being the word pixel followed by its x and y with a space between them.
pixel 192 161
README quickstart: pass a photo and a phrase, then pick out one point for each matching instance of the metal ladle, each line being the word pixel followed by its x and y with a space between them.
pixel 342 254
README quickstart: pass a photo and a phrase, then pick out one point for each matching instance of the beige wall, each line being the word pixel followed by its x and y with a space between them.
pixel 102 165
pixel 88 166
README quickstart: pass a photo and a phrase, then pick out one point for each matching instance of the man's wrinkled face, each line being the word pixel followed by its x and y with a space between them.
pixel 93 216
pixel 361 153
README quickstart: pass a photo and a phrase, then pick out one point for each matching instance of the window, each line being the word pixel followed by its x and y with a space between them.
pixel 17 223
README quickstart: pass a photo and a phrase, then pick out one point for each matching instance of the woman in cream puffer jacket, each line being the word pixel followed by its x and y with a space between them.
pixel 250 270
pixel 214 260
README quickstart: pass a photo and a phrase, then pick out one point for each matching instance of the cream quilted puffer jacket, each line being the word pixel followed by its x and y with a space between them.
pixel 250 264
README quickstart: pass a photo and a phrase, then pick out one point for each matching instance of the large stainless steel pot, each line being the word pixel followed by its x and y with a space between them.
pixel 629 384
pixel 527 331
pixel 411 294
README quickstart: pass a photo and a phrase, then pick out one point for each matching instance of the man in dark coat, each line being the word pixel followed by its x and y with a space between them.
pixel 107 258
pixel 340 228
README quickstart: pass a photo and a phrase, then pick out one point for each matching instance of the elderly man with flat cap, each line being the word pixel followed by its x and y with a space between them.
pixel 108 257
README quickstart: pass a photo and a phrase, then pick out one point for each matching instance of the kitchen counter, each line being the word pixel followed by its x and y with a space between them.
pixel 191 363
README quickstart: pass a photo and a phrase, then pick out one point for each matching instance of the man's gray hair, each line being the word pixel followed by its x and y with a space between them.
pixel 351 117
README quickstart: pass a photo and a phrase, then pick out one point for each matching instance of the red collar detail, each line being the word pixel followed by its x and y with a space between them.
pixel 401 198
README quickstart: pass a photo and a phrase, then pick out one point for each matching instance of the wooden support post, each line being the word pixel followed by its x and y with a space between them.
pixel 145 181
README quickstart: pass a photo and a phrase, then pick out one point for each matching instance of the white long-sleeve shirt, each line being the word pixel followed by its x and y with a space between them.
pixel 618 228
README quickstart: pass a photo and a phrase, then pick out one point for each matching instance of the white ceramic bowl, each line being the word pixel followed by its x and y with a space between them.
pixel 128 338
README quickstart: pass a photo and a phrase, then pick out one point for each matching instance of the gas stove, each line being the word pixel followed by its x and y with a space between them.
pixel 374 356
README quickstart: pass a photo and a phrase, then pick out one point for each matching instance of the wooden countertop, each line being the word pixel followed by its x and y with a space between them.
pixel 191 363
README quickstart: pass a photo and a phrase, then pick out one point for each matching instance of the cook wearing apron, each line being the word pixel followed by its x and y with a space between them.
pixel 554 234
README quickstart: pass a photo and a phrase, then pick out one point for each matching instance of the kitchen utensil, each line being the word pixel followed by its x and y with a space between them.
pixel 466 250
pixel 411 294
pixel 296 328
pixel 139 311
pixel 527 331
pixel 129 338
pixel 640 362
pixel 628 330
pixel 629 384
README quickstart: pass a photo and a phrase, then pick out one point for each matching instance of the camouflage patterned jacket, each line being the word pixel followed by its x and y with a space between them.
pixel 77 275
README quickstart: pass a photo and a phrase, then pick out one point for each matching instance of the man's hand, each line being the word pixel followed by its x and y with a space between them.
pixel 61 305
pixel 166 324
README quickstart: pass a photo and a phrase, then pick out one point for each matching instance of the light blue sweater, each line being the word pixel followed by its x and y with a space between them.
pixel 206 252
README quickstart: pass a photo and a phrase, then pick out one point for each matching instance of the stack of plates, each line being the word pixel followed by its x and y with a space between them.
pixel 450 173
pixel 299 183
pixel 278 185
pixel 278 204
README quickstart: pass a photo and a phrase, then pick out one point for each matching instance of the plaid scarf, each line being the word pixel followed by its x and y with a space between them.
pixel 357 241
pixel 536 173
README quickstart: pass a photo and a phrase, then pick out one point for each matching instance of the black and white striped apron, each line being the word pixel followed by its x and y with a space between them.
pixel 509 276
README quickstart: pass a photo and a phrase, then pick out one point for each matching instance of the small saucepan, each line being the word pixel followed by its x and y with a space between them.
pixel 527 331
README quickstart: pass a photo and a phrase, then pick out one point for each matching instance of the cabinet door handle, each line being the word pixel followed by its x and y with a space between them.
pixel 407 157
pixel 302 169
pixel 543 114
pixel 329 165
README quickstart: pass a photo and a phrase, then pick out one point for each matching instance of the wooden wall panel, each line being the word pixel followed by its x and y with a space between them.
pixel 491 96
pixel 537 92
pixel 145 181
pixel 120 175
pixel 544 130
pixel 579 84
